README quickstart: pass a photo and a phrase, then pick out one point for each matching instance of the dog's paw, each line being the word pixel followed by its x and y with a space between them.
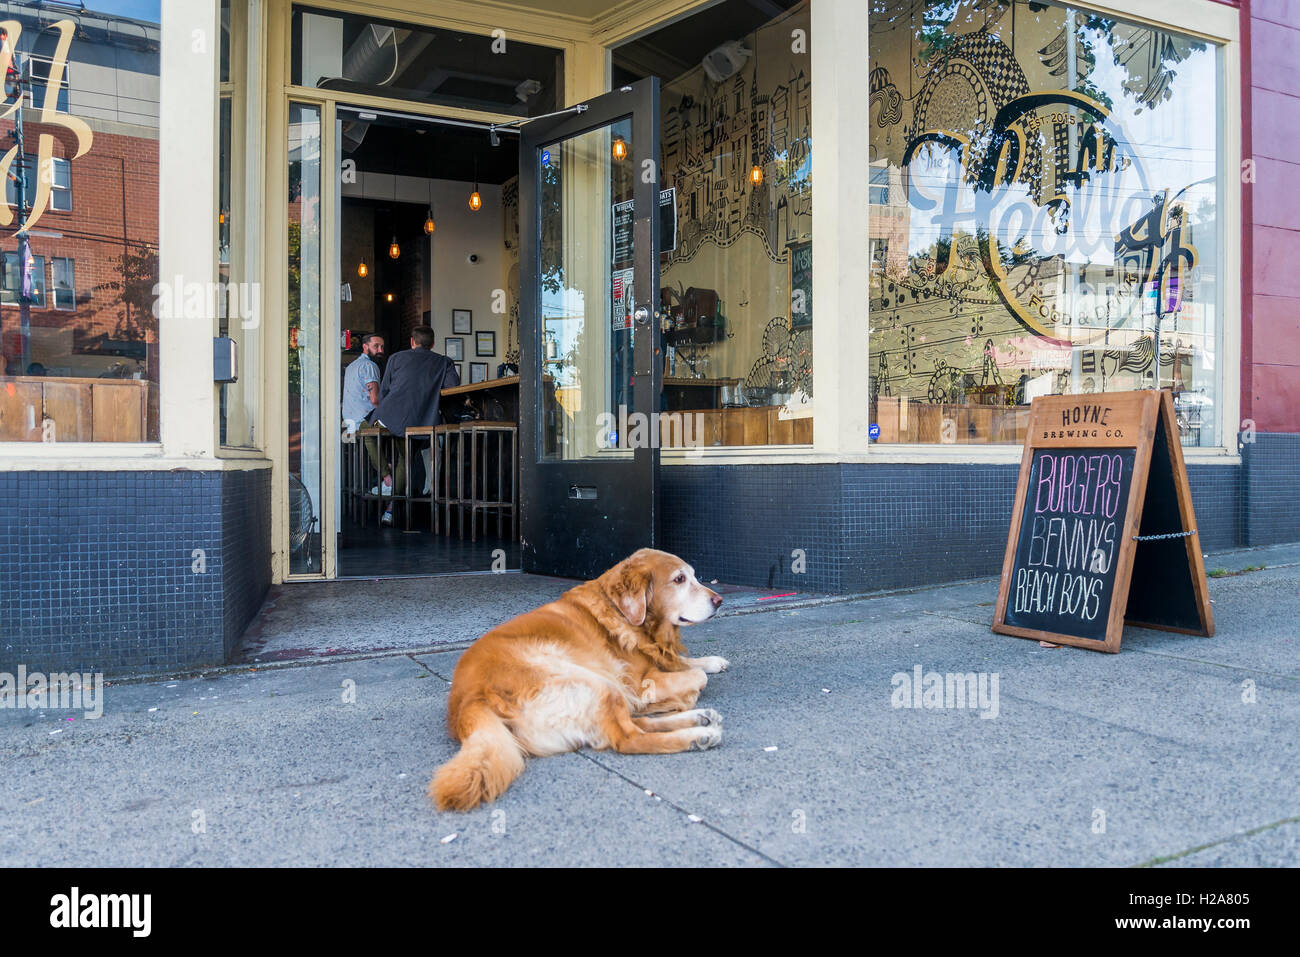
pixel 707 717
pixel 713 664
pixel 705 738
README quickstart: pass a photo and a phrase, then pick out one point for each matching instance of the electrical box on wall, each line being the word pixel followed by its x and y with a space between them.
pixel 225 359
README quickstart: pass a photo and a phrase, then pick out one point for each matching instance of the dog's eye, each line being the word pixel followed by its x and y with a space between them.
pixel 680 579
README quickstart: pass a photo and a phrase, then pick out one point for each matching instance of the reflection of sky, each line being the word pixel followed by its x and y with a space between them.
pixel 135 9
pixel 1172 145
pixel 563 313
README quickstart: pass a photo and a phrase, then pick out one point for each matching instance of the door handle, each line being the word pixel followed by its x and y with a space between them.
pixel 642 315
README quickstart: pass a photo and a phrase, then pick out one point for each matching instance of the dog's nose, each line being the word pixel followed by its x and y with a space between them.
pixel 717 600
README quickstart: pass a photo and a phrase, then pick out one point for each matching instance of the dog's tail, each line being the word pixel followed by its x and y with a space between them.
pixel 489 760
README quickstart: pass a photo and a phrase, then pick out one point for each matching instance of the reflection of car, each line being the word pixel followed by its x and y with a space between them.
pixel 1194 411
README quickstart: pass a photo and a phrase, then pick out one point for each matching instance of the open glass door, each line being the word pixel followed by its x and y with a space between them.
pixel 590 358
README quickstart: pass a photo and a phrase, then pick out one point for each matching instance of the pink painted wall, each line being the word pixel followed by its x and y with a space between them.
pixel 1271 208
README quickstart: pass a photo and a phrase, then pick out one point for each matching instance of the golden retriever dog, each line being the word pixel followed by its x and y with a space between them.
pixel 588 670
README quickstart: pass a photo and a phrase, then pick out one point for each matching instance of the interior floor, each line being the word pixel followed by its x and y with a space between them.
pixel 389 551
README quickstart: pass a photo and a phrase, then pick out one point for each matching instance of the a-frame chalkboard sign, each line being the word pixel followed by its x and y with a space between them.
pixel 1103 530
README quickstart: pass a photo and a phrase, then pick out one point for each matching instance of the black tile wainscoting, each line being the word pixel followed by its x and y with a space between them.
pixel 865 527
pixel 1271 481
pixel 130 571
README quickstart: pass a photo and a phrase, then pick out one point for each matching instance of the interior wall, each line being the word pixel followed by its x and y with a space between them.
pixel 459 284
pixel 358 228
pixel 452 281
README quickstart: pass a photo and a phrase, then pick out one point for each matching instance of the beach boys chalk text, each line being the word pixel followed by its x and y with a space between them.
pixel 1074 534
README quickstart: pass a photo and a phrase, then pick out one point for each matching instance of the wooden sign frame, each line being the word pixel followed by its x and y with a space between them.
pixel 1158 493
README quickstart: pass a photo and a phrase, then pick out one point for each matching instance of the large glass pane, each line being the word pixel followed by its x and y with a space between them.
pixel 304 357
pixel 79 293
pixel 1043 216
pixel 357 53
pixel 737 266
pixel 586 294
pixel 237 302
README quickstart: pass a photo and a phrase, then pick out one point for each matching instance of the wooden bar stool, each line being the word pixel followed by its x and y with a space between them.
pixel 364 497
pixel 486 496
pixel 386 445
pixel 351 473
pixel 448 461
pixel 411 498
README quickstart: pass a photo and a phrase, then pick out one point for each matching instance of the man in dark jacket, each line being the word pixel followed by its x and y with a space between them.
pixel 409 395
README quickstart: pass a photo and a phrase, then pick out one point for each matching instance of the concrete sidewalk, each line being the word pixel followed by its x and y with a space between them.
pixel 271 766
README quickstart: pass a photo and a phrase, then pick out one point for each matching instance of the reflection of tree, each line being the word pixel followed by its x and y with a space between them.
pixel 1146 55
pixel 552 234
pixel 138 272
pixel 295 305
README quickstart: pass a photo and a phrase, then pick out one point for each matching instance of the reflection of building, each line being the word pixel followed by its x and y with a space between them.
pixel 95 245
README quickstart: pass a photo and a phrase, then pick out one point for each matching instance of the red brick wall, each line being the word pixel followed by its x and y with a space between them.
pixel 1271 211
pixel 114 210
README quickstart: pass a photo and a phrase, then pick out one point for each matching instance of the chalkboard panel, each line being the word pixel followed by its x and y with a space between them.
pixel 1071 534
pixel 800 285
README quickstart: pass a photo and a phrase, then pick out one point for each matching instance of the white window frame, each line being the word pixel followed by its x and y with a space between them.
pixel 55 189
pixel 29 81
pixel 54 285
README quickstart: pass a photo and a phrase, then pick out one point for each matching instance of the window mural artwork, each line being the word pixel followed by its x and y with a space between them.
pixel 736 285
pixel 1043 216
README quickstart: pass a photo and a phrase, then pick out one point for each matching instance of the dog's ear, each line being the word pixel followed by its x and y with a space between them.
pixel 630 587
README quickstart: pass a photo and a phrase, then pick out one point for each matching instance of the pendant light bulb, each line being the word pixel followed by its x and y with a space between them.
pixel 475 200
pixel 620 148
pixel 363 270
pixel 756 175
pixel 429 226
pixel 394 250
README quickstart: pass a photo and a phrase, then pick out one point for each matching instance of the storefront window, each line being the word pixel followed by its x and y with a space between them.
pixel 304 327
pixel 79 222
pixel 237 302
pixel 736 272
pixel 358 54
pixel 1048 222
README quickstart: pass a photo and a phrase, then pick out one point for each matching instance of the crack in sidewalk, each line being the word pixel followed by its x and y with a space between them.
pixel 1221 841
pixel 681 810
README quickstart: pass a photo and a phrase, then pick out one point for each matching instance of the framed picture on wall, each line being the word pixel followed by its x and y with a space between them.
pixel 478 372
pixel 462 321
pixel 455 350
pixel 485 343
pixel 460 371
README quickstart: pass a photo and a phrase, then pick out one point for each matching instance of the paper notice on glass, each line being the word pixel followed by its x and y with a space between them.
pixel 620 302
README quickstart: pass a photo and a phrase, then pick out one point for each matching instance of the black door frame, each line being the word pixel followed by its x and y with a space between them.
pixel 564 530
